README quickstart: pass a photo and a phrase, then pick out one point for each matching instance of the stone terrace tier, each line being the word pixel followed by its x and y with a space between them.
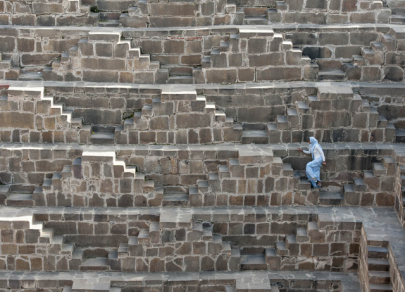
pixel 146 240
pixel 204 55
pixel 141 13
pixel 70 113
pixel 199 176
pixel 257 281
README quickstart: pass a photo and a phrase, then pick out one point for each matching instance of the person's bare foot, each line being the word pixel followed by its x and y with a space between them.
pixel 319 184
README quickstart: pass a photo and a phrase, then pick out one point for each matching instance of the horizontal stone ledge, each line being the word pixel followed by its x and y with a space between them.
pixel 13 30
pixel 364 87
pixel 159 150
pixel 55 280
pixel 345 214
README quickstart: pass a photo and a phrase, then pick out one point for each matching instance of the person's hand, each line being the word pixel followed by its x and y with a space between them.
pixel 324 163
pixel 299 149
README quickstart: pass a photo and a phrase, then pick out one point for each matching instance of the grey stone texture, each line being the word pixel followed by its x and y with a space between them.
pixel 205 56
pixel 166 116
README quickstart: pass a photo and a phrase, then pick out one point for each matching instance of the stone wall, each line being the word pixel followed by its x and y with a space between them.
pixel 207 56
pixel 125 116
pixel 106 13
pixel 199 178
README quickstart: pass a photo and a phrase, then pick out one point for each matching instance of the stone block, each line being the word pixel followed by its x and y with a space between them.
pixel 44 8
pixel 173 46
pixel 279 73
pixel 221 75
pixel 267 59
pixel 172 9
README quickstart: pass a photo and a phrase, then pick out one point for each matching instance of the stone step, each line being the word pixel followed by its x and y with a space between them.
pixel 380 288
pixel 397 19
pixel 95 264
pixel 172 199
pixel 253 127
pixel 304 184
pixel 108 23
pixel 282 123
pixel 66 171
pixel 6 64
pixel 102 135
pixel 281 248
pixel 20 200
pixel 207 233
pixel 148 186
pixel 223 172
pixel 46 235
pixel 330 198
pixel 332 75
pixel 4 193
pixel 365 106
pixel 379 277
pixel 389 42
pixel 377 46
pixel 223 46
pixel 400 135
pixel 377 252
pixel 290 240
pixel 359 185
pixel 226 247
pixel 123 249
pixel 274 288
pixel 180 80
pixel 302 235
pixel 358 60
pixel 382 122
pixel 147 110
pixel 254 137
pixel 203 186
pixel 253 262
pixel 143 236
pixel 58 240
pixel 210 107
pixel 348 190
pixel 255 21
pixel 220 116
pixel 230 288
pixel 292 117
pixel 302 107
pixel 287 170
pixel 379 169
pixel 287 45
pixel 67 248
pixel 378 264
pixel 30 76
pixel 389 164
pixel 167 95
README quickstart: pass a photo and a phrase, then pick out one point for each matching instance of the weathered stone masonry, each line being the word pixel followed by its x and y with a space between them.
pixel 153 145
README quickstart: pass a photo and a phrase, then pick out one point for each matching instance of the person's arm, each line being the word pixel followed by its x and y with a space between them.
pixel 304 151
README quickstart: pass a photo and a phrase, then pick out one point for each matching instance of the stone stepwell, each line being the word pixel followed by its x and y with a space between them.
pixel 153 146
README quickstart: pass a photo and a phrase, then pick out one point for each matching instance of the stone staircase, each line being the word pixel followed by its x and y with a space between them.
pixel 373 63
pixel 249 180
pixel 172 112
pixel 378 268
pixel 379 179
pixel 330 109
pixel 321 12
pixel 91 61
pixel 180 14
